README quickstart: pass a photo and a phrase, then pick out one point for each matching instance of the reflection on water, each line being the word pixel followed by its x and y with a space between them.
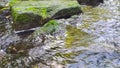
pixel 76 37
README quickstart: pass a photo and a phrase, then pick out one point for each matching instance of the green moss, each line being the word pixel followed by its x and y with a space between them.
pixel 16 11
pixel 43 7
pixel 22 18
pixel 49 28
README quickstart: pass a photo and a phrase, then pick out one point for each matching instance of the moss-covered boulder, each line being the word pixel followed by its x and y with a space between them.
pixel 49 28
pixel 40 34
pixel 30 14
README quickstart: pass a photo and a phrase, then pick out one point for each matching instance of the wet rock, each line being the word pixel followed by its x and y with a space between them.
pixel 29 14
pixel 90 2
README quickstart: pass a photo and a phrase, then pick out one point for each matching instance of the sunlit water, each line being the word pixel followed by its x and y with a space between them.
pixel 88 40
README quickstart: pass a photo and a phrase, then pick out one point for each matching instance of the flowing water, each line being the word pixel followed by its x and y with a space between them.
pixel 88 40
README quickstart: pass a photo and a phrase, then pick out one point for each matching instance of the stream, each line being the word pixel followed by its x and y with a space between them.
pixel 88 40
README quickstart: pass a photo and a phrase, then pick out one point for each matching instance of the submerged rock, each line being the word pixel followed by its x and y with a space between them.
pixel 30 14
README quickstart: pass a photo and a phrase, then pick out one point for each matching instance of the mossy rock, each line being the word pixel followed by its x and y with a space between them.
pixel 30 14
pixel 49 28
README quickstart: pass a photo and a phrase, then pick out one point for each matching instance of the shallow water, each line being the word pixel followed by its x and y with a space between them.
pixel 89 40
pixel 103 22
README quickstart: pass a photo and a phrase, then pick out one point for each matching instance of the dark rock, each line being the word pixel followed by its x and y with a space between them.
pixel 90 2
pixel 62 14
